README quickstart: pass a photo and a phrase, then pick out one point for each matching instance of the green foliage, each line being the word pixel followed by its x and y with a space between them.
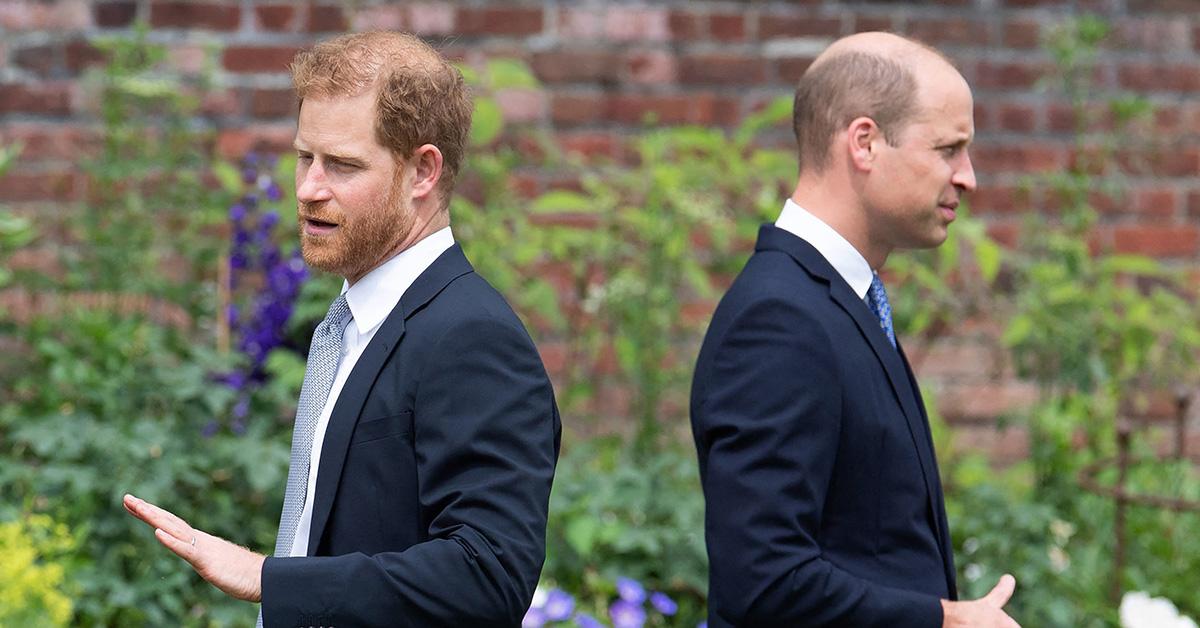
pixel 148 204
pixel 638 243
pixel 102 405
pixel 33 587
pixel 15 232
pixel 614 515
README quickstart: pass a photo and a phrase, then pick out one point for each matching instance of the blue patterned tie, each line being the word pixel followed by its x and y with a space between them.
pixel 878 302
pixel 324 355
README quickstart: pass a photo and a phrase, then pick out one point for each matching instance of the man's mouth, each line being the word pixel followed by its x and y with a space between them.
pixel 313 226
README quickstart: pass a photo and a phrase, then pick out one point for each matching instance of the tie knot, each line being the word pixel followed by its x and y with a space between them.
pixel 338 315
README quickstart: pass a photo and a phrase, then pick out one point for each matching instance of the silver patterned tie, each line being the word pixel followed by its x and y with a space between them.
pixel 323 357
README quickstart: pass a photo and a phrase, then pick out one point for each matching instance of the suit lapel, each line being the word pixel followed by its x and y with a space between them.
pixel 449 266
pixel 771 237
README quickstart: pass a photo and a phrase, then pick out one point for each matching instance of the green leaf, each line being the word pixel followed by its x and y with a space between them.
pixel 228 176
pixel 487 122
pixel 510 74
pixel 563 202
pixel 988 255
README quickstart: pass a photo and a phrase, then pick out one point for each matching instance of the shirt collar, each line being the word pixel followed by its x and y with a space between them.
pixel 374 296
pixel 836 250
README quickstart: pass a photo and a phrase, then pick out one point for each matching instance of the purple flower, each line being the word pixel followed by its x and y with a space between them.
pixel 626 614
pixel 237 212
pixel 583 620
pixel 274 193
pixel 210 429
pixel 631 590
pixel 559 605
pixel 663 604
pixel 534 618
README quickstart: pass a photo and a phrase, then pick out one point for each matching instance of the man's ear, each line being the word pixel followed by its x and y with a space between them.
pixel 426 171
pixel 862 136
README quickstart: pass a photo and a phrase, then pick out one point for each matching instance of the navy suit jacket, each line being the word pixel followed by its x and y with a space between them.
pixel 824 506
pixel 434 479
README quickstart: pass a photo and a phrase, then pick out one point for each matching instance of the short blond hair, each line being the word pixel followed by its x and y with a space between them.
pixel 420 97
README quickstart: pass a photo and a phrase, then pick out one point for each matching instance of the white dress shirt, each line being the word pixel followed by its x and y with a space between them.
pixel 371 299
pixel 836 250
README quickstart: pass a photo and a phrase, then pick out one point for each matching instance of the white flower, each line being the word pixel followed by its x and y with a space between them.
pixel 539 597
pixel 1139 610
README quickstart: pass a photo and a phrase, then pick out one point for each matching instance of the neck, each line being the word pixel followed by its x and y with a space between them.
pixel 838 206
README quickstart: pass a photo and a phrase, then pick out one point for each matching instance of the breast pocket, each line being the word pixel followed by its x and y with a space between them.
pixel 373 429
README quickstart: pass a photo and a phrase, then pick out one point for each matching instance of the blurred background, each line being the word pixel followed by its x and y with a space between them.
pixel 154 314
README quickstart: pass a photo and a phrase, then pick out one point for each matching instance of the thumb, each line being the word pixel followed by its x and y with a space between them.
pixel 1003 590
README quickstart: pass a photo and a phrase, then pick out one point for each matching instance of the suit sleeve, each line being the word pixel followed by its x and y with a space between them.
pixel 486 436
pixel 770 423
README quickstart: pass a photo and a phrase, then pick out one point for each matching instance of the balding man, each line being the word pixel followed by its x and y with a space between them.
pixel 824 505
pixel 426 434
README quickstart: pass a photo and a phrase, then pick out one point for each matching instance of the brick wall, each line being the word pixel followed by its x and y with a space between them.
pixel 606 65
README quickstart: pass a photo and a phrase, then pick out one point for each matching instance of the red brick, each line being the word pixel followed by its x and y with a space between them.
pixel 637 24
pixel 38 60
pixel 1174 161
pixel 1017 117
pixel 1061 118
pixel 1022 33
pixel 114 14
pixel 19 186
pixel 722 69
pixel 1187 7
pixel 998 199
pixel 1152 35
pixel 39 98
pixel 1159 77
pixel 956 360
pixel 273 103
pixel 1001 445
pixel 1156 240
pixel 1006 234
pixel 985 402
pixel 499 21
pixel 1157 201
pixel 939 32
pixel 61 16
pixel 864 23
pixel 572 109
pixel 276 17
pixel 211 16
pixel 982 115
pixel 1022 158
pixel 685 25
pixel 431 18
pixel 522 105
pixel 1035 3
pixel 652 67
pixel 1008 74
pixel 234 143
pixel 727 26
pixel 42 142
pixel 258 58
pixel 221 103
pixel 574 66
pixel 326 18
pixel 784 25
pixel 637 108
pixel 589 144
pixel 791 69
pixel 81 55
pixel 1193 204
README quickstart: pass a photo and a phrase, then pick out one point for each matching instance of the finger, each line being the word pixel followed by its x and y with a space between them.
pixel 183 549
pixel 159 518
pixel 1000 594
